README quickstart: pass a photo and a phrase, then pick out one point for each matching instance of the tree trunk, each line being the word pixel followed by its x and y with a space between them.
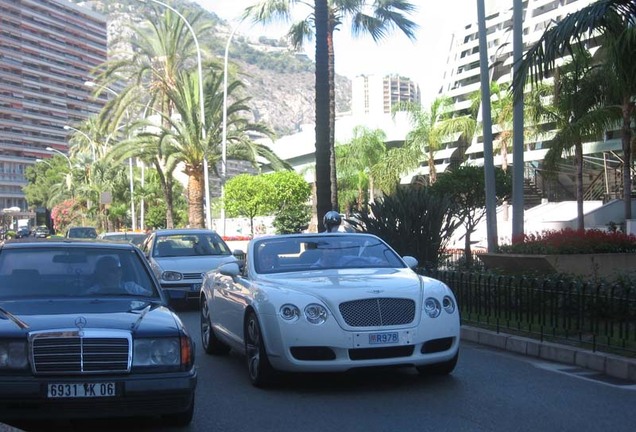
pixel 332 111
pixel 432 173
pixel 195 196
pixel 323 170
pixel 626 142
pixel 166 186
pixel 578 159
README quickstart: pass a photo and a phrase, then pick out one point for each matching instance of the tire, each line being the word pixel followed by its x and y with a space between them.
pixel 211 344
pixel 444 368
pixel 182 418
pixel 259 369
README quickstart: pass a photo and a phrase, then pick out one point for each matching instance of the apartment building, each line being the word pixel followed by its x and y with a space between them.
pixel 462 79
pixel 47 50
pixel 374 95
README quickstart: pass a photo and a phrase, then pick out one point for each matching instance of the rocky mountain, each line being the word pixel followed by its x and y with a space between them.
pixel 279 80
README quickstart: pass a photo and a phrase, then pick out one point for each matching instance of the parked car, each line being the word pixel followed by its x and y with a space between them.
pixel 328 302
pixel 22 232
pixel 132 237
pixel 180 257
pixel 41 232
pixel 85 332
pixel 81 232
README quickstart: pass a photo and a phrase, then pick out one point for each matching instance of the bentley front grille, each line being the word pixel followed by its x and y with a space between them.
pixel 378 312
pixel 86 352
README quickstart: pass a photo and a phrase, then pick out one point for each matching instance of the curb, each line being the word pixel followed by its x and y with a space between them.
pixel 608 364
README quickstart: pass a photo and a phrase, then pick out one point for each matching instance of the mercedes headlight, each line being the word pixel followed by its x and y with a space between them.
pixel 13 355
pixel 157 352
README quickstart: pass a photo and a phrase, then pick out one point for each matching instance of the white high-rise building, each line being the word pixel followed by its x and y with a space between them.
pixel 462 80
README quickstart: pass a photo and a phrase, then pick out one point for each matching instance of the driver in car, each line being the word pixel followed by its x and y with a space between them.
pixel 108 273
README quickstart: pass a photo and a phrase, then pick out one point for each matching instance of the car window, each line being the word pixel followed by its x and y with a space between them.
pixel 302 253
pixel 57 271
pixel 82 232
pixel 184 244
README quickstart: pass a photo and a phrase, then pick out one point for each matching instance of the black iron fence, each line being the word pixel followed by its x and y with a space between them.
pixel 592 316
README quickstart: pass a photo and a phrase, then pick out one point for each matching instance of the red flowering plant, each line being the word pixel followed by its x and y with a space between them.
pixel 570 241
pixel 237 238
pixel 64 214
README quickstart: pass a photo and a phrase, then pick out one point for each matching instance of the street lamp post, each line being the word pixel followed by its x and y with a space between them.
pixel 92 143
pixel 133 216
pixel 224 129
pixel 206 178
pixel 69 177
pixel 51 149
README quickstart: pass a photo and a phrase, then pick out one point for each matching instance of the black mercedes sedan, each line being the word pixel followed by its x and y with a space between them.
pixel 86 332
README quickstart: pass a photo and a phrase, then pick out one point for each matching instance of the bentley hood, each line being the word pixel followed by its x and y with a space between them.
pixel 341 285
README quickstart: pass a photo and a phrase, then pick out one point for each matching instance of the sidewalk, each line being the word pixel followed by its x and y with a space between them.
pixel 608 364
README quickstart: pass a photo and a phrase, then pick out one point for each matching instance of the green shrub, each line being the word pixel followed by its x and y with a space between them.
pixel 570 241
pixel 414 221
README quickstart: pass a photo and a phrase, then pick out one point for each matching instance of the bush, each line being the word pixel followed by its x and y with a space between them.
pixel 414 221
pixel 570 241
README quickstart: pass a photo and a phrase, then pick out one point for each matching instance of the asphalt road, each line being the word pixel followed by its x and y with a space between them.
pixel 489 391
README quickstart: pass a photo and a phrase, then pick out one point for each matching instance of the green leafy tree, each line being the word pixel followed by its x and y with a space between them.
pixel 289 201
pixel 324 17
pixel 466 188
pixel 614 21
pixel 248 196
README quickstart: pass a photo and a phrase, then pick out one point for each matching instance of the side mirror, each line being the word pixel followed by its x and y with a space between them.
pixel 410 261
pixel 230 269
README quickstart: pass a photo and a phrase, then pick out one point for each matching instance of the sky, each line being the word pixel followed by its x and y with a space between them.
pixel 423 60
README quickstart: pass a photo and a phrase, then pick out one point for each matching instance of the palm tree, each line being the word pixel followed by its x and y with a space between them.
pixel 578 113
pixel 160 52
pixel 357 158
pixel 613 21
pixel 183 136
pixel 431 130
pixel 377 18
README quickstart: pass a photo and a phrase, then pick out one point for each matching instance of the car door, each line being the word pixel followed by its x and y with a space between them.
pixel 230 298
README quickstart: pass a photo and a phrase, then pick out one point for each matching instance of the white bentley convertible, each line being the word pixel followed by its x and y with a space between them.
pixel 328 303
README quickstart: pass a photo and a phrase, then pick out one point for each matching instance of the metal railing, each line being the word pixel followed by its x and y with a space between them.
pixel 589 315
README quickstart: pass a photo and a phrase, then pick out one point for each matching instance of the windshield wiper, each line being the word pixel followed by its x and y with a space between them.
pixel 14 318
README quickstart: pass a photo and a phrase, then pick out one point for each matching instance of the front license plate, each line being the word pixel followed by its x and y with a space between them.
pixel 195 287
pixel 81 390
pixel 384 338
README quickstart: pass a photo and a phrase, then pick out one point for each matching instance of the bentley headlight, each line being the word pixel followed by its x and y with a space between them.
pixel 171 276
pixel 315 313
pixel 157 352
pixel 289 312
pixel 432 307
pixel 448 304
pixel 13 355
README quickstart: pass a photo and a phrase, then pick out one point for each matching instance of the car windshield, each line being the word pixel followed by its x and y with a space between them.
pixel 302 253
pixel 189 245
pixel 82 232
pixel 136 239
pixel 73 272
